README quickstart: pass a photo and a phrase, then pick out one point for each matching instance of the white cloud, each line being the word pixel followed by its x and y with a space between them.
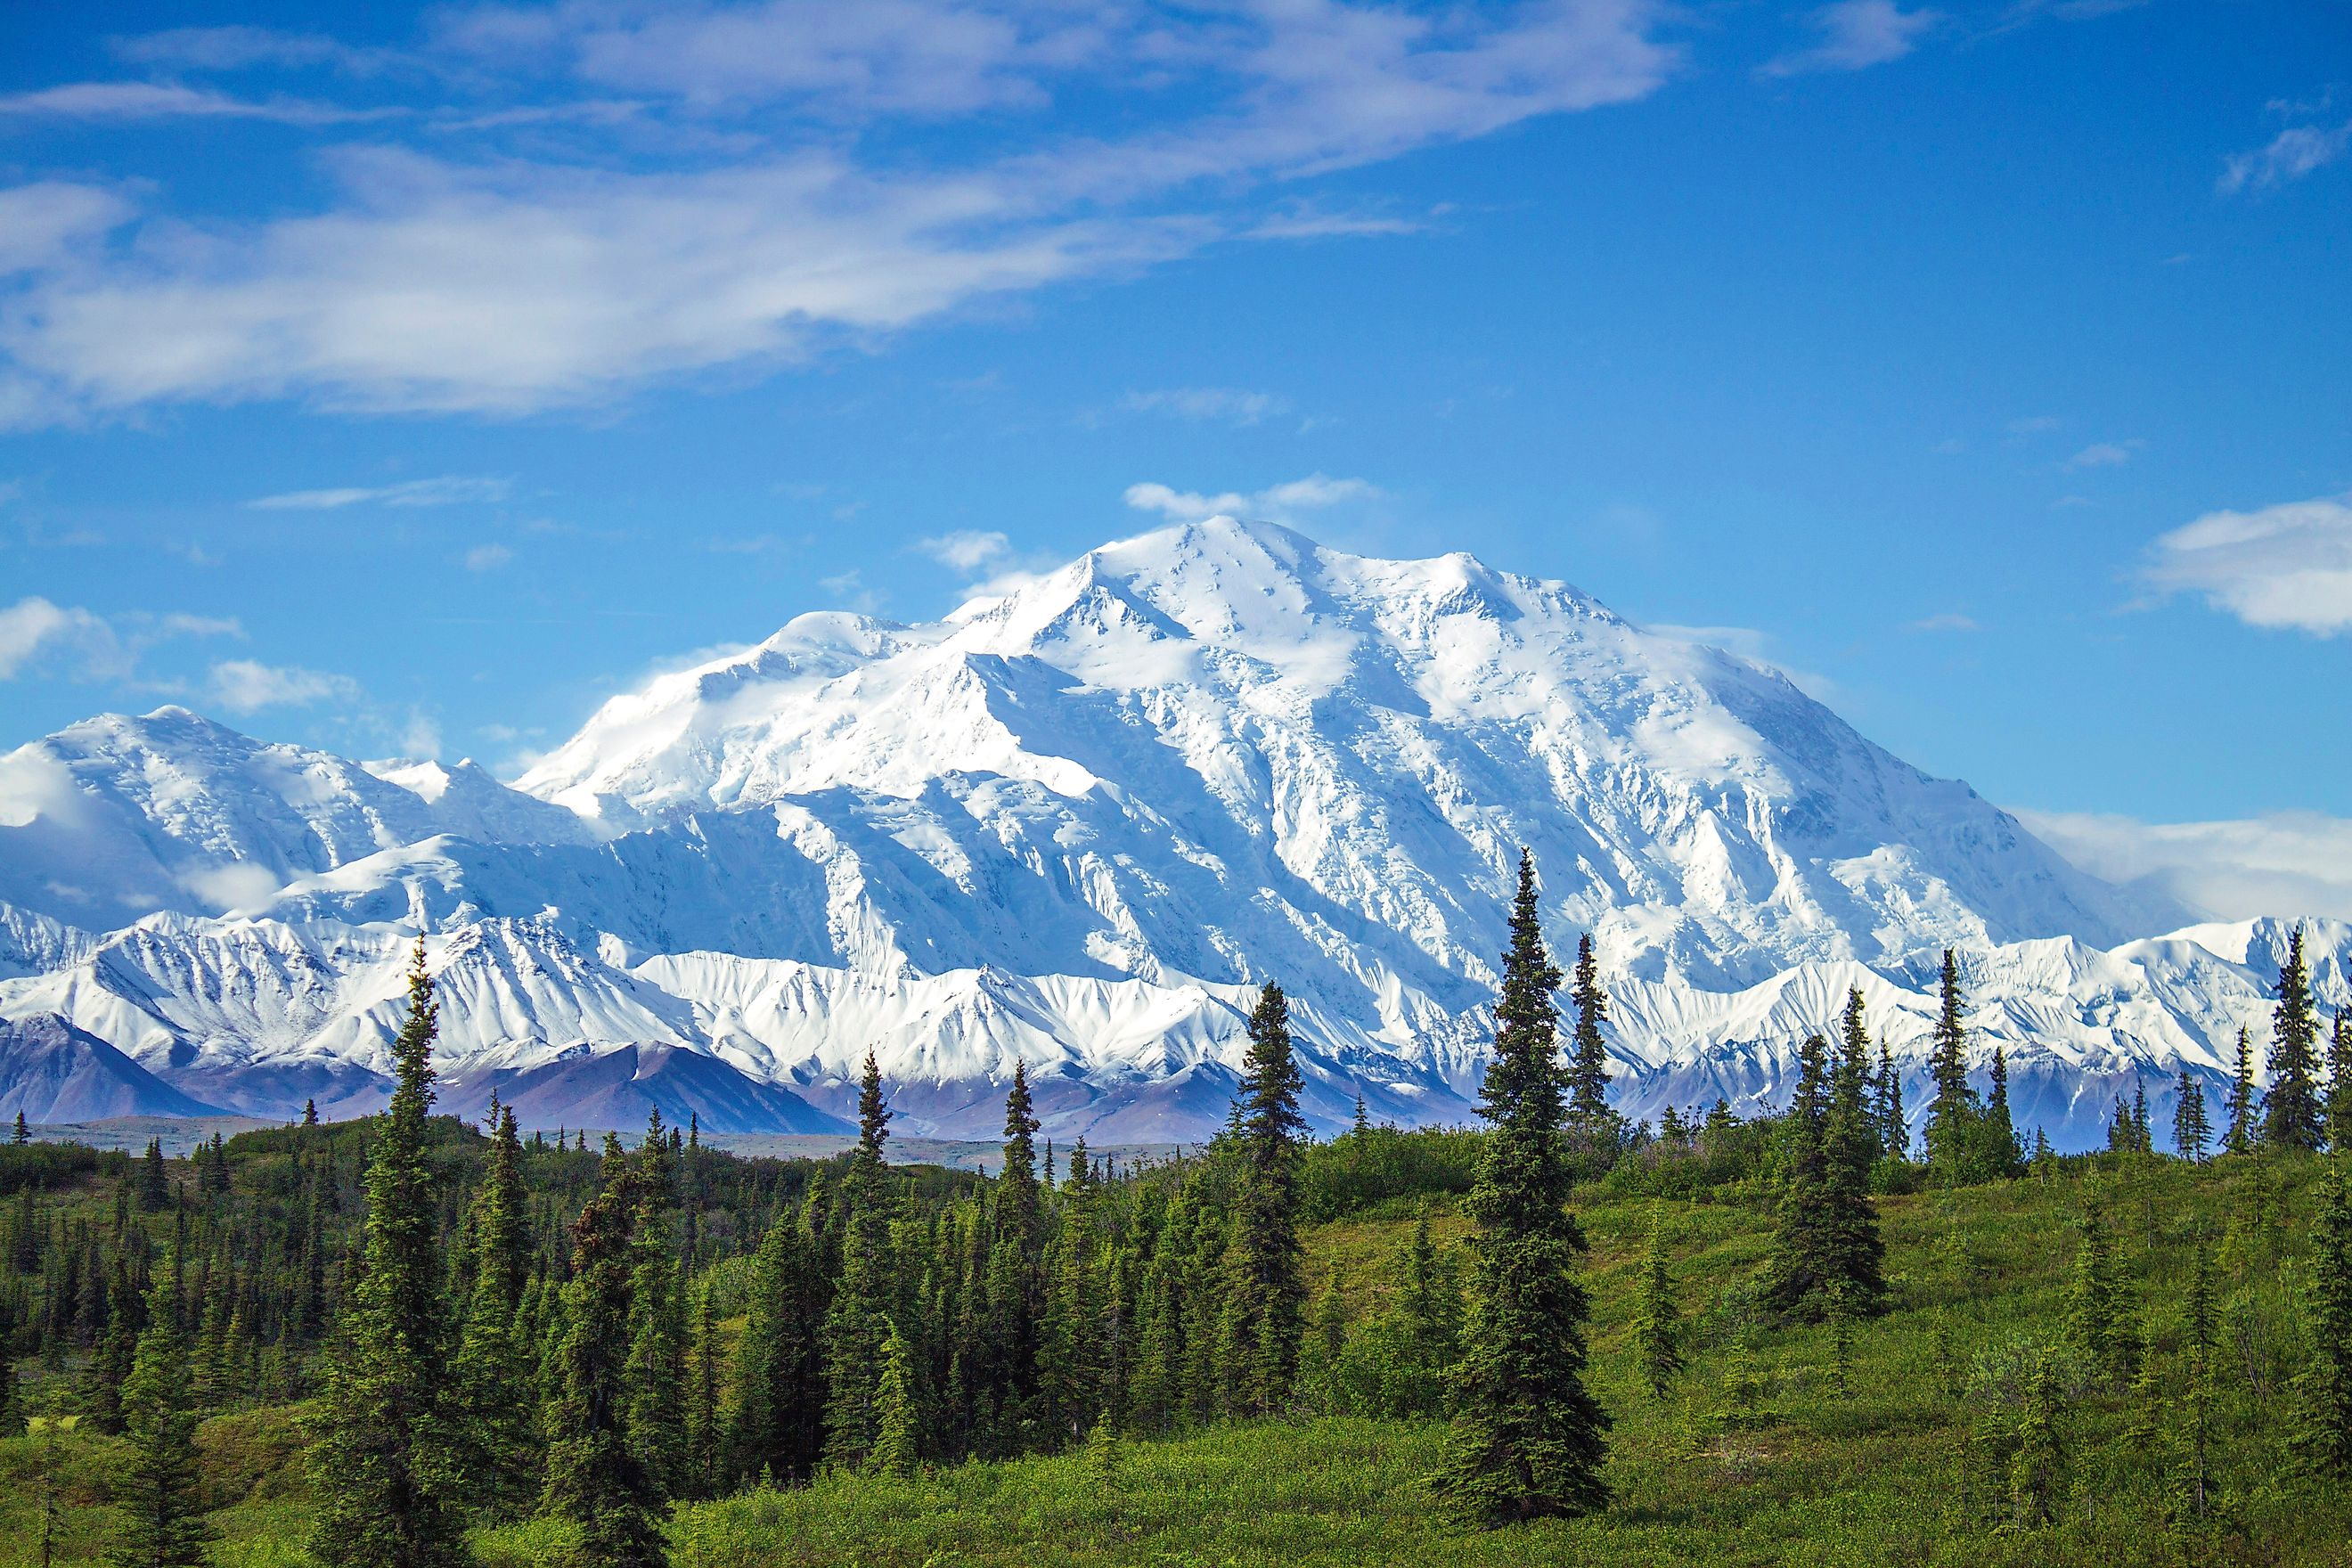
pixel 1854 34
pixel 246 686
pixel 234 48
pixel 1756 647
pixel 2290 156
pixel 81 645
pixel 41 224
pixel 967 549
pixel 2288 864
pixel 1278 503
pixel 450 489
pixel 849 591
pixel 32 625
pixel 1219 404
pixel 524 283
pixel 238 886
pixel 487 557
pixel 1949 621
pixel 2288 565
pixel 2104 455
pixel 130 101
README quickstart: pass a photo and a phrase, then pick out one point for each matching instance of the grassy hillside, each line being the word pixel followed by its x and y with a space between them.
pixel 1755 1456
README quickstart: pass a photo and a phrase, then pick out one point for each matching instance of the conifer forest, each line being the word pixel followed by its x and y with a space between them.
pixel 408 1342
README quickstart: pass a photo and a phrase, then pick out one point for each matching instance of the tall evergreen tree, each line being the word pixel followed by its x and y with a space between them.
pixel 1895 1129
pixel 491 1362
pixel 23 1135
pixel 1656 1317
pixel 1588 1069
pixel 595 1482
pixel 154 1188
pixel 779 1388
pixel 2291 1110
pixel 159 1513
pixel 2239 1138
pixel 2191 1132
pixel 2037 1470
pixel 1266 1297
pixel 860 1323
pixel 1952 1114
pixel 1827 1239
pixel 896 1441
pixel 704 1434
pixel 2003 1156
pixel 2324 1388
pixel 657 1319
pixel 2097 1313
pixel 1528 1439
pixel 2339 1083
pixel 386 1455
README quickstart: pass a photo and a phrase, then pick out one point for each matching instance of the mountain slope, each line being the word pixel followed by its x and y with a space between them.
pixel 51 1071
pixel 1077 825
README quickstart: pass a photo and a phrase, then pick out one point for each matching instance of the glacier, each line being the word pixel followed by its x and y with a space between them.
pixel 1076 824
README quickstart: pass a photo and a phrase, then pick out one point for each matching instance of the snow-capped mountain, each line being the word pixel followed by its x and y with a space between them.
pixel 1077 825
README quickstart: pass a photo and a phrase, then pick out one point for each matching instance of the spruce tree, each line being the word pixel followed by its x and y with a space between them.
pixel 387 1458
pixel 1588 1070
pixel 2037 1471
pixel 2096 1309
pixel 860 1323
pixel 896 1450
pixel 2323 1387
pixel 595 1482
pixel 1528 1439
pixel 656 1374
pixel 704 1434
pixel 159 1513
pixel 491 1363
pixel 23 1135
pixel 1857 1254
pixel 2190 1130
pixel 1951 1115
pixel 1267 1295
pixel 154 1188
pixel 310 1113
pixel 1999 1133
pixel 2240 1137
pixel 1657 1316
pixel 779 1389
pixel 2339 1083
pixel 1895 1131
pixel 2291 1110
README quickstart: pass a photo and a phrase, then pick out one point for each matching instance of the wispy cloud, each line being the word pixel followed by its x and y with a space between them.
pixel 2287 566
pixel 487 557
pixel 444 282
pixel 450 489
pixel 2105 454
pixel 1207 405
pixel 237 48
pixel 1756 647
pixel 967 549
pixel 246 686
pixel 2289 864
pixel 1948 621
pixel 1276 503
pixel 133 101
pixel 67 641
pixel 2294 153
pixel 1855 35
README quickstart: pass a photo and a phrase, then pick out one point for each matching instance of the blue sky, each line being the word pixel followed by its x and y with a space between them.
pixel 416 386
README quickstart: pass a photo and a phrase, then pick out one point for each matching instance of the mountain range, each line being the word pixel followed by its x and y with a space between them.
pixel 1076 823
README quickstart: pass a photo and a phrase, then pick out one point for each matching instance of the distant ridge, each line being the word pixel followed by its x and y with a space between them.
pixel 1077 825
pixel 51 1071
